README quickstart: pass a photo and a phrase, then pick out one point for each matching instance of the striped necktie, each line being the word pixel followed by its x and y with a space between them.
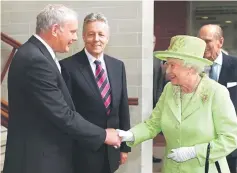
pixel 103 85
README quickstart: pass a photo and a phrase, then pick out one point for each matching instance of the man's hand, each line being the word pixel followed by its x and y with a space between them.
pixel 123 157
pixel 112 138
pixel 182 154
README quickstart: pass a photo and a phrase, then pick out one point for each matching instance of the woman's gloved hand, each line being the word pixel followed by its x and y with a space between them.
pixel 127 136
pixel 182 154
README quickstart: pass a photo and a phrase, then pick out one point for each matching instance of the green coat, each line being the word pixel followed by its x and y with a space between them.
pixel 210 117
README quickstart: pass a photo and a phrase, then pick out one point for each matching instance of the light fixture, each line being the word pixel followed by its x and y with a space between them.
pixel 228 21
pixel 204 17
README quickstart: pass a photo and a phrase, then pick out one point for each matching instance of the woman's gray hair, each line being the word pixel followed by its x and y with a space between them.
pixel 54 14
pixel 198 68
pixel 93 17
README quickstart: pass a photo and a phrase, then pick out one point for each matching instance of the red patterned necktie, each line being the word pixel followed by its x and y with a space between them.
pixel 103 84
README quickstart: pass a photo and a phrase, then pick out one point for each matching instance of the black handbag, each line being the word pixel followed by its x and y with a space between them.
pixel 207 161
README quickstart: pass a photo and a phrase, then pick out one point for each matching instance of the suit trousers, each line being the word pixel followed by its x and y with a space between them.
pixel 106 167
pixel 232 164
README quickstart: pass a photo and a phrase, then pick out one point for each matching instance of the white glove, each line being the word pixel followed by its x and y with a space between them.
pixel 182 154
pixel 127 136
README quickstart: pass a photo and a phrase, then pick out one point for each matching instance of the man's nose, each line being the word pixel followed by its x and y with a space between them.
pixel 96 37
pixel 75 38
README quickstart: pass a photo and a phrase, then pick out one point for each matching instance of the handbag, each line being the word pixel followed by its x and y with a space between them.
pixel 207 161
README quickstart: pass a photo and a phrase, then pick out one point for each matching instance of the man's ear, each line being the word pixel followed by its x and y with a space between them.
pixel 221 42
pixel 54 29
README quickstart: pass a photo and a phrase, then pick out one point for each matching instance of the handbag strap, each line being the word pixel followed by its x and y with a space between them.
pixel 218 167
pixel 207 161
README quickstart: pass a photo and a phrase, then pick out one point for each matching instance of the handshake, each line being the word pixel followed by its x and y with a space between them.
pixel 115 137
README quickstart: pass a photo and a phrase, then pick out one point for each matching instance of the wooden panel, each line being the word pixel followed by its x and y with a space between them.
pixel 132 101
pixel 170 18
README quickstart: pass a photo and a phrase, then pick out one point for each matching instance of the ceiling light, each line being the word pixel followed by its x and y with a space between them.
pixel 228 21
pixel 204 17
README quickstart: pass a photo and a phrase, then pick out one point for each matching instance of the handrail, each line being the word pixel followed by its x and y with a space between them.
pixel 5 116
pixel 9 40
pixel 132 101
pixel 4 113
pixel 15 44
pixel 6 66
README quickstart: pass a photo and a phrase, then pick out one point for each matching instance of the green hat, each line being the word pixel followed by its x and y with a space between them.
pixel 187 48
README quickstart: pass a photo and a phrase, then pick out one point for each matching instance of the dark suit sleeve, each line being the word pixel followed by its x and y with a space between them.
pixel 44 93
pixel 124 122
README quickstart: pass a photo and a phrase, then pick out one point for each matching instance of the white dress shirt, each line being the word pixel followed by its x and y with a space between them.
pixel 92 60
pixel 50 51
pixel 218 61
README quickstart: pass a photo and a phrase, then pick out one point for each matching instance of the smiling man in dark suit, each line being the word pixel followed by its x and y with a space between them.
pixel 97 83
pixel 43 123
pixel 223 70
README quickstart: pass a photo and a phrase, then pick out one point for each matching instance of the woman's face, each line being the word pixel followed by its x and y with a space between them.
pixel 176 72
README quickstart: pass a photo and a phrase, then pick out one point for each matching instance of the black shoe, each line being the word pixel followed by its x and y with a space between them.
pixel 156 160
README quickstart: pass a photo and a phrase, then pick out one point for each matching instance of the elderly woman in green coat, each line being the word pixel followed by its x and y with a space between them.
pixel 192 112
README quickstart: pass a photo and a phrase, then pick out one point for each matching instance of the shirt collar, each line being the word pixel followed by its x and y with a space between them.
pixel 92 58
pixel 219 59
pixel 47 46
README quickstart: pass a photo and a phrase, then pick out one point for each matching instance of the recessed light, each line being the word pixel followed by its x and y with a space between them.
pixel 228 21
pixel 204 17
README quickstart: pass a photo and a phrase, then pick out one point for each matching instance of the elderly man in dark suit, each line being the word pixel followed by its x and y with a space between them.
pixel 97 83
pixel 158 83
pixel 43 123
pixel 223 70
pixel 158 77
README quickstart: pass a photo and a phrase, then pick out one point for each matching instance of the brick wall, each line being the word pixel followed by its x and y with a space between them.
pixel 126 43
pixel 18 21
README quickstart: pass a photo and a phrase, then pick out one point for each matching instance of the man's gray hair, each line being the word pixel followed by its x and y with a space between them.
pixel 54 14
pixel 93 17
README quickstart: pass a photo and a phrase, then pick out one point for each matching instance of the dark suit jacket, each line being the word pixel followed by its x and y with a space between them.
pixel 158 79
pixel 42 119
pixel 86 96
pixel 229 74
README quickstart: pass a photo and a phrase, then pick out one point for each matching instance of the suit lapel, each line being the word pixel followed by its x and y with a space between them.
pixel 87 72
pixel 174 103
pixel 112 76
pixel 48 56
pixel 224 70
pixel 44 50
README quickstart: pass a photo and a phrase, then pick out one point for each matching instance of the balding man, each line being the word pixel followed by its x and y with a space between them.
pixel 223 70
